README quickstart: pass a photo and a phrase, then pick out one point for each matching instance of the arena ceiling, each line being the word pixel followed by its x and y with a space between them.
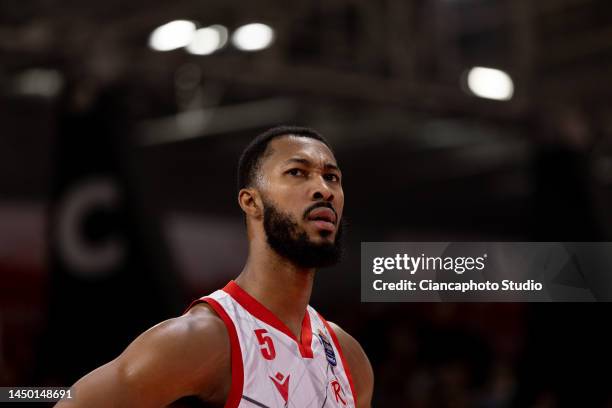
pixel 407 53
pixel 386 81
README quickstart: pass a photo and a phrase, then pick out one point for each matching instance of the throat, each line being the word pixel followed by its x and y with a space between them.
pixel 286 298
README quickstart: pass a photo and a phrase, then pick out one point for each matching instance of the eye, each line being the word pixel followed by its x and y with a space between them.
pixel 332 177
pixel 296 172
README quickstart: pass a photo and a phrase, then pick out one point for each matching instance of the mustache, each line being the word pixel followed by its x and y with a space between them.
pixel 317 205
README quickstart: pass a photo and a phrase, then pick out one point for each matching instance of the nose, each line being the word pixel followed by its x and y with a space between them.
pixel 322 191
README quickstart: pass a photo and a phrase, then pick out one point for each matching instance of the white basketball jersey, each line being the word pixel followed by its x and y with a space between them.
pixel 271 368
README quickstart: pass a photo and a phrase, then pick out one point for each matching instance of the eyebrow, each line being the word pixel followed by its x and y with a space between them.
pixel 307 162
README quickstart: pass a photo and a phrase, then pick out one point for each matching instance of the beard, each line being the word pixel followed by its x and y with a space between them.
pixel 291 241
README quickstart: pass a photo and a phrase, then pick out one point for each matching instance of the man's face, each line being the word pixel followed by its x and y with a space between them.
pixel 303 200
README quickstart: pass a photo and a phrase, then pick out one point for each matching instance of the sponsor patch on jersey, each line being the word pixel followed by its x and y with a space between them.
pixel 329 349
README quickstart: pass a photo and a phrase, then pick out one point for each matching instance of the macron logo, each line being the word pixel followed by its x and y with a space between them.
pixel 282 386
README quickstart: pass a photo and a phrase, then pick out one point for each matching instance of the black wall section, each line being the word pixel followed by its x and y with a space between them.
pixel 111 275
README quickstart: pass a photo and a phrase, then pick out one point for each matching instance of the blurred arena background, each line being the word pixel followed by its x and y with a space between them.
pixel 122 123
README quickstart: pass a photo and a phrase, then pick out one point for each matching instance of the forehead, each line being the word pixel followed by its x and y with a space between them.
pixel 286 147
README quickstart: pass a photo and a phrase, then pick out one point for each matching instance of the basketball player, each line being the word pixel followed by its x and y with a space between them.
pixel 256 342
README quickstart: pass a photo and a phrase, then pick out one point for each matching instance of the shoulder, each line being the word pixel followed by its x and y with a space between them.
pixel 193 350
pixel 199 328
pixel 169 348
pixel 361 369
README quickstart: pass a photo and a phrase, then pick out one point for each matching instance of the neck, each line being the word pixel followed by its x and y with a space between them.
pixel 278 284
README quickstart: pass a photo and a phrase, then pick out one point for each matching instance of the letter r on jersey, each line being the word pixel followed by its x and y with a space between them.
pixel 338 392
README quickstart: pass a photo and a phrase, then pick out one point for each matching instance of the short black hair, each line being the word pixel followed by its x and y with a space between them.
pixel 250 159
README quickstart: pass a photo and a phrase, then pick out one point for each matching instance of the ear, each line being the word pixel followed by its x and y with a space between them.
pixel 250 202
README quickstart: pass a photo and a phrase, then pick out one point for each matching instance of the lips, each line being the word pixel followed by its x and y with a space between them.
pixel 323 214
pixel 323 218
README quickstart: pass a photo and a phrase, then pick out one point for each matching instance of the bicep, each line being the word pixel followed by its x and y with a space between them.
pixel 105 386
pixel 365 377
pixel 359 365
pixel 158 367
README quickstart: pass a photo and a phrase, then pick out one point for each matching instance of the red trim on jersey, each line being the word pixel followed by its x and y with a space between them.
pixel 346 367
pixel 264 314
pixel 235 393
pixel 306 345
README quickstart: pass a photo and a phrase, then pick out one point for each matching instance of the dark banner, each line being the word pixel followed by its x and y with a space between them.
pixel 110 276
pixel 486 271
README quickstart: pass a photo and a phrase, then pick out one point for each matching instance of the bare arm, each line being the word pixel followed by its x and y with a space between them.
pixel 361 369
pixel 187 355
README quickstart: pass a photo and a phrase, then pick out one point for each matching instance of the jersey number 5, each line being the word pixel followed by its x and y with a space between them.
pixel 267 346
